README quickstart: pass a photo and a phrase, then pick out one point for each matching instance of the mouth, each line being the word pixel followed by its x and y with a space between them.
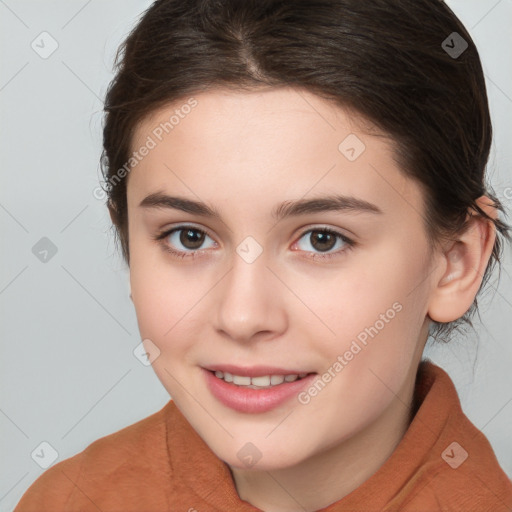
pixel 255 390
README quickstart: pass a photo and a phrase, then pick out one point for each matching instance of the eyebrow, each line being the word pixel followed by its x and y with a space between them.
pixel 331 203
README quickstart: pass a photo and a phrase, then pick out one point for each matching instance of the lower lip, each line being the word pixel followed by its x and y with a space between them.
pixel 243 399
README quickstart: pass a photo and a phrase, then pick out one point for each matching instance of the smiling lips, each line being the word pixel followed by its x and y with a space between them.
pixel 254 389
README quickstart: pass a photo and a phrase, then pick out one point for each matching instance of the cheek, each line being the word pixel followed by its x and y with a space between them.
pixel 164 304
pixel 170 301
pixel 361 297
pixel 375 314
pixel 162 301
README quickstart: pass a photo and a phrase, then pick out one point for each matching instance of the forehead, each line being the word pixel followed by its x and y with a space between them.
pixel 266 142
pixel 221 116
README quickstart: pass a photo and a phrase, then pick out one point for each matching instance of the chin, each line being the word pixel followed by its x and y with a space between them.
pixel 258 456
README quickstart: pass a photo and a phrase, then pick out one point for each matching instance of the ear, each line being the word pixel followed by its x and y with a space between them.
pixel 465 262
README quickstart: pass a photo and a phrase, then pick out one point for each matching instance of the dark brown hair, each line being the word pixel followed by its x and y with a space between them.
pixel 387 60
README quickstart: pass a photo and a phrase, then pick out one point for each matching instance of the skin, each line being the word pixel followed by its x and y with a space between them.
pixel 243 153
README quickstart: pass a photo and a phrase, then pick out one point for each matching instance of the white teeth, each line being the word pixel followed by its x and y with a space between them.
pixel 276 379
pixel 241 381
pixel 263 381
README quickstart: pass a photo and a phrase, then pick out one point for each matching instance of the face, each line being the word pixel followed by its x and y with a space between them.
pixel 338 295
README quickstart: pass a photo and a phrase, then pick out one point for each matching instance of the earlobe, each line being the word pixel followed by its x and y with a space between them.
pixel 465 264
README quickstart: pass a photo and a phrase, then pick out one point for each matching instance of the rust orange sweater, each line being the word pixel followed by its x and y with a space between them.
pixel 161 464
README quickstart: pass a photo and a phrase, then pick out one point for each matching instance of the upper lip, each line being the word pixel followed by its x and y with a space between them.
pixel 253 371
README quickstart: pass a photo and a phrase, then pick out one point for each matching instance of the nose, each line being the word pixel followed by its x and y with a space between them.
pixel 250 301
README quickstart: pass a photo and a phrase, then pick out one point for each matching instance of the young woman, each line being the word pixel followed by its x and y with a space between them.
pixel 299 191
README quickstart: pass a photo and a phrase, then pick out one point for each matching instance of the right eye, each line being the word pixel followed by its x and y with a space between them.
pixel 189 237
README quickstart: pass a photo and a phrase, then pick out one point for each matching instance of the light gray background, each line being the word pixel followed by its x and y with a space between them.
pixel 68 328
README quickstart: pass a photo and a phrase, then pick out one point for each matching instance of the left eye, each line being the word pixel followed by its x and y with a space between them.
pixel 324 240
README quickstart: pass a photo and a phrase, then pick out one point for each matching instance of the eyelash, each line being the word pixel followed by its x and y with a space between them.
pixel 350 244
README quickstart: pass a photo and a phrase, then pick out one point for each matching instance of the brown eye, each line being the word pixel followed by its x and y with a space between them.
pixel 184 241
pixel 191 238
pixel 322 240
